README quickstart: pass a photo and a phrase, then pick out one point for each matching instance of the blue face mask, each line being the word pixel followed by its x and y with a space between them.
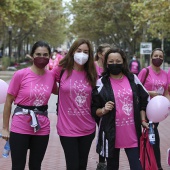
pixel 115 69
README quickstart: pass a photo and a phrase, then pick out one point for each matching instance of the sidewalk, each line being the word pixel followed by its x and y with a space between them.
pixel 54 158
pixel 6 75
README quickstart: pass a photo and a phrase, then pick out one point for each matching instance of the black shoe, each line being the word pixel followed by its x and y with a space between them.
pixel 101 166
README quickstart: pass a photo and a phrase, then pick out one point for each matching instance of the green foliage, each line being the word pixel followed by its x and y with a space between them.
pixel 152 14
pixel 105 21
pixel 5 62
pixel 45 19
pixel 53 28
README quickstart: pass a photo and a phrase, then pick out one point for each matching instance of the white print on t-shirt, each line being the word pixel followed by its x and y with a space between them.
pixel 125 108
pixel 38 92
pixel 124 98
pixel 125 121
pixel 78 92
pixel 158 86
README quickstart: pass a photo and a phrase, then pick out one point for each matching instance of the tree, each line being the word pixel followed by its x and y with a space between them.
pixel 32 20
pixel 154 15
pixel 105 21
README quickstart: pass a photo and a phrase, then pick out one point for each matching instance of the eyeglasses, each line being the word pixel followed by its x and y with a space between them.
pixel 43 55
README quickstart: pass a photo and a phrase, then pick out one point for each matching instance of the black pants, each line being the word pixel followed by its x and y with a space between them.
pixel 76 151
pixel 20 143
pixel 101 158
pixel 156 146
pixel 133 157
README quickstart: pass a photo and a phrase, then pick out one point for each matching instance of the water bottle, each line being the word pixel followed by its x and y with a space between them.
pixel 6 150
pixel 151 133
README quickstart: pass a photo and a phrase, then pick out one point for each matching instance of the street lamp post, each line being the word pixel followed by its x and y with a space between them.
pixel 10 36
pixel 33 38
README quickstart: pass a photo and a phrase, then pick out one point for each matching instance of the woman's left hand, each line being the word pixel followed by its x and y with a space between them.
pixel 145 125
pixel 108 107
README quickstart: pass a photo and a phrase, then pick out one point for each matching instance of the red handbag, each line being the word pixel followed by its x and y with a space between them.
pixel 147 156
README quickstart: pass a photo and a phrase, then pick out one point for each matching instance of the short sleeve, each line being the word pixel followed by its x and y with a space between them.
pixel 15 83
pixel 57 71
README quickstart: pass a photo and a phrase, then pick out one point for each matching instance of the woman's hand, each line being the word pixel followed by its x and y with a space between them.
pixel 102 111
pixel 145 125
pixel 5 134
pixel 108 107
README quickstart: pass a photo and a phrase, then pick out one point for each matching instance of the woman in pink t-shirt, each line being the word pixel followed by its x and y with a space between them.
pixel 53 62
pixel 75 125
pixel 99 60
pixel 120 101
pixel 99 57
pixel 156 83
pixel 29 89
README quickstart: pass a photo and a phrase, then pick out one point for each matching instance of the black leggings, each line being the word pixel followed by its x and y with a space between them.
pixel 76 151
pixel 156 146
pixel 20 143
pixel 133 157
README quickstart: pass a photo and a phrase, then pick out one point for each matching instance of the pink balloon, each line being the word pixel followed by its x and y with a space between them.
pixel 3 91
pixel 158 109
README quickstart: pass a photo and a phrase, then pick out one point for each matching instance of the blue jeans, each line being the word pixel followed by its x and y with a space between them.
pixel 133 157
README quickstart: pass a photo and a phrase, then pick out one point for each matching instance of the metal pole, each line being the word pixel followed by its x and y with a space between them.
pixel 10 36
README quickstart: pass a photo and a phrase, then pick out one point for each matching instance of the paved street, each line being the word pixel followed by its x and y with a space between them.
pixel 54 158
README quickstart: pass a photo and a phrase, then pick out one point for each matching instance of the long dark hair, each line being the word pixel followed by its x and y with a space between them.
pixel 125 69
pixel 68 61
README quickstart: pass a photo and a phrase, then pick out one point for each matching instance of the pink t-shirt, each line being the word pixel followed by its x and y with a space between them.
pixel 74 112
pixel 155 81
pixel 99 70
pixel 134 67
pixel 169 78
pixel 59 57
pixel 126 136
pixel 53 63
pixel 30 89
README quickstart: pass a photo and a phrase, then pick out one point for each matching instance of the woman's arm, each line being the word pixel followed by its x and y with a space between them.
pixel 6 116
pixel 166 94
pixel 143 119
pixel 153 93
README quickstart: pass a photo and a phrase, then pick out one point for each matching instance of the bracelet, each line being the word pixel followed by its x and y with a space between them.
pixel 143 120
pixel 103 111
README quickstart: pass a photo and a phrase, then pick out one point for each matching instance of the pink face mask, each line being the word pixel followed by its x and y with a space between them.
pixel 157 62
pixel 41 62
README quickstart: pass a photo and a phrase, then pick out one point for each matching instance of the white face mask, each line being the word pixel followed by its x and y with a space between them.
pixel 80 58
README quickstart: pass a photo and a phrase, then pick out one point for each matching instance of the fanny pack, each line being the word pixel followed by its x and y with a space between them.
pixel 32 111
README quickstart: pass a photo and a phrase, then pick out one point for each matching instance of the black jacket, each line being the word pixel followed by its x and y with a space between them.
pixel 104 93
